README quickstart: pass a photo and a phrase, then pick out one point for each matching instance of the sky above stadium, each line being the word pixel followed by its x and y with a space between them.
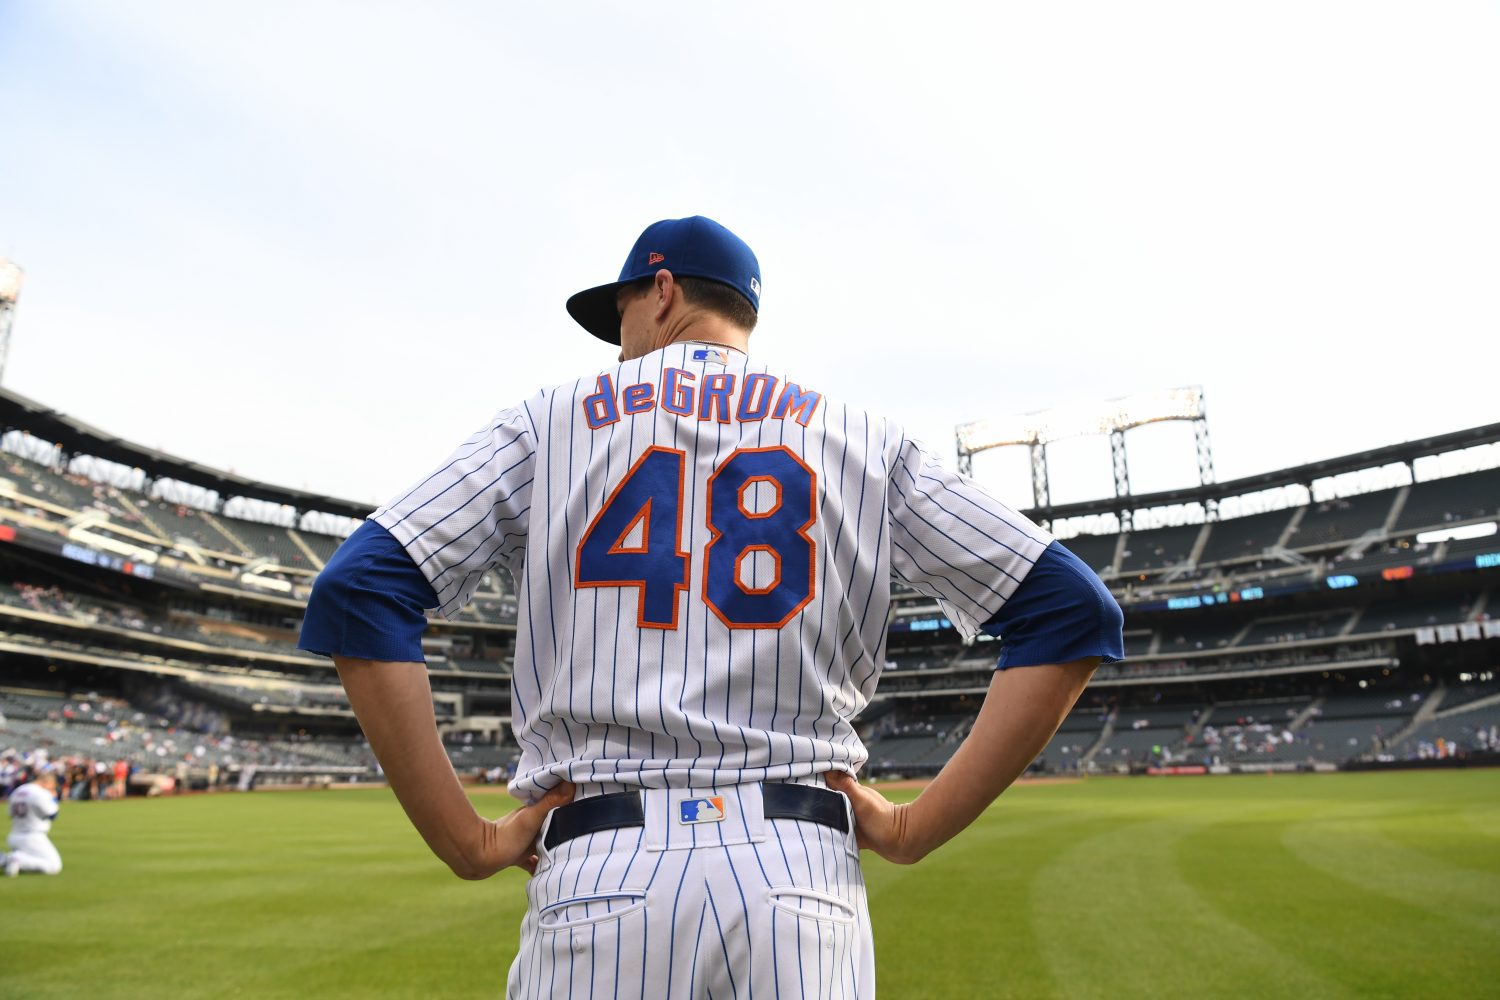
pixel 321 243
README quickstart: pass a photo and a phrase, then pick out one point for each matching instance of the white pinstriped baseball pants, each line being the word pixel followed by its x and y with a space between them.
pixel 740 908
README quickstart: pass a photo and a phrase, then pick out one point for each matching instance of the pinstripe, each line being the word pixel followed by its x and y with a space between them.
pixel 476 438
pixel 551 607
pixel 482 562
pixel 423 505
pixel 464 506
pixel 998 541
pixel 760 864
pixel 690 475
pixel 832 560
pixel 697 941
pixel 723 944
pixel 672 940
pixel 661 718
pixel 767 705
pixel 936 532
pixel 646 923
pixel 960 485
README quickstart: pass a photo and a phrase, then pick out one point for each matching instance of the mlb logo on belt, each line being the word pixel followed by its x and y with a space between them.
pixel 701 810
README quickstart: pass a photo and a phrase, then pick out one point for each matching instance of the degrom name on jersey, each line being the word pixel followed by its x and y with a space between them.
pixel 704 549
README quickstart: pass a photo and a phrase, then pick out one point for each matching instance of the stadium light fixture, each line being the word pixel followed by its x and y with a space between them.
pixel 1046 426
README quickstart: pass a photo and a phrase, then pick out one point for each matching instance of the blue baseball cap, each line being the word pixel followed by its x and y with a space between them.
pixel 695 247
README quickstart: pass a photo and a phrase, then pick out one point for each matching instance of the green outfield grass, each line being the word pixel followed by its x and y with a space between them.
pixel 1288 886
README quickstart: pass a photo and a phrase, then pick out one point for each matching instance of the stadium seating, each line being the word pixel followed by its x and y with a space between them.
pixel 182 522
pixel 1096 551
pixel 268 540
pixel 1245 713
pixel 1473 546
pixel 1458 498
pixel 1367 705
pixel 1464 732
pixel 1190 634
pixel 1137 643
pixel 1342 520
pixel 323 546
pixel 1414 612
pixel 1294 629
pixel 1158 548
pixel 1401 553
pixel 63 489
pixel 1464 693
pixel 1243 538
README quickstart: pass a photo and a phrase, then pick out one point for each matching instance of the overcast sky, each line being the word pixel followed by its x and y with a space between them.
pixel 321 243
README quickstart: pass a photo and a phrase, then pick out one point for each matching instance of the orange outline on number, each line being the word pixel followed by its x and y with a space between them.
pixel 739 561
pixel 739 498
pixel 812 546
pixel 640 585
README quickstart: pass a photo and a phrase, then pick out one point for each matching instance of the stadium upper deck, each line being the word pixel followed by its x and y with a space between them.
pixel 128 572
pixel 51 504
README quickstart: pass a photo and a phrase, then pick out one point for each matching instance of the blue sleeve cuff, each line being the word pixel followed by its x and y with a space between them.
pixel 1061 612
pixel 367 603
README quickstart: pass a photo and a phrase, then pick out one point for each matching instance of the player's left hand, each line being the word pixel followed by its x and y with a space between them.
pixel 511 839
pixel 880 825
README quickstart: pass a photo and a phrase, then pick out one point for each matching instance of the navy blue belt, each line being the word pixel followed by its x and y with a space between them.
pixel 617 809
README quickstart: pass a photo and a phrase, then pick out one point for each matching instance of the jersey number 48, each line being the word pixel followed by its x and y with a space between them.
pixel 636 539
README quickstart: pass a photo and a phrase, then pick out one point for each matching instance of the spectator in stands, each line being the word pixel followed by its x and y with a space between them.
pixel 122 774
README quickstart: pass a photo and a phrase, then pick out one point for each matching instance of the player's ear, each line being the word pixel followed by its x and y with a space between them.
pixel 664 286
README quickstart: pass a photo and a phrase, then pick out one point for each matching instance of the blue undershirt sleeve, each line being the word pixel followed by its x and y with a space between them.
pixel 367 603
pixel 1061 612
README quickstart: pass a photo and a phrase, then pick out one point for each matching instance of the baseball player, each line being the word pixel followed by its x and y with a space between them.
pixel 704 549
pixel 33 807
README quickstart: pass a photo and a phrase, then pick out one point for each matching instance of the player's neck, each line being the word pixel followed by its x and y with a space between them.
pixel 706 328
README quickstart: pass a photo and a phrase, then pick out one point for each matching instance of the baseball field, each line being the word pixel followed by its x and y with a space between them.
pixel 1358 885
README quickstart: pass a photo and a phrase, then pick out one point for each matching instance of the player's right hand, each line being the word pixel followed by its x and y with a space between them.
pixel 511 839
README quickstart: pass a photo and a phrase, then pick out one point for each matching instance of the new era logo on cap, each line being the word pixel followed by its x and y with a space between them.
pixel 654 258
pixel 702 810
pixel 755 286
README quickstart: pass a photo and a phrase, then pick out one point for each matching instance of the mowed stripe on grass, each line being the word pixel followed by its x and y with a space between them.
pixel 1316 885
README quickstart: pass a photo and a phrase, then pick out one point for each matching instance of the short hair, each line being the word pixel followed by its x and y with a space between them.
pixel 714 296
pixel 719 298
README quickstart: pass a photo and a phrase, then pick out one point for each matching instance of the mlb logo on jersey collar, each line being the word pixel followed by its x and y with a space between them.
pixel 717 355
pixel 710 810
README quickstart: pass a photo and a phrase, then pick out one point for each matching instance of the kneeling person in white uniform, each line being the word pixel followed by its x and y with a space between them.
pixel 33 807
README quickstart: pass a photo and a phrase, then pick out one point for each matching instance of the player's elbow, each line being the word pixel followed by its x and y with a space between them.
pixel 467 872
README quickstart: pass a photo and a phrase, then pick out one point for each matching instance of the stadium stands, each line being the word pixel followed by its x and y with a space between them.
pixel 1243 538
pixel 184 523
pixel 1413 612
pixel 1452 500
pixel 1194 634
pixel 1473 546
pixel 1296 628
pixel 270 541
pixel 323 546
pixel 1475 730
pixel 1342 520
pixel 1096 551
pixel 1159 548
pixel 925 702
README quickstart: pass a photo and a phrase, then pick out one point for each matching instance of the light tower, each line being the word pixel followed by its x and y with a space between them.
pixel 10 290
pixel 1113 417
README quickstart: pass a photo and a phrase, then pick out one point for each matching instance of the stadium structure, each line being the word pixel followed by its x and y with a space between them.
pixel 151 604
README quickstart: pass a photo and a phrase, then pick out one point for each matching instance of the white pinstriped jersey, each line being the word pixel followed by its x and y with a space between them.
pixel 703 549
pixel 32 809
